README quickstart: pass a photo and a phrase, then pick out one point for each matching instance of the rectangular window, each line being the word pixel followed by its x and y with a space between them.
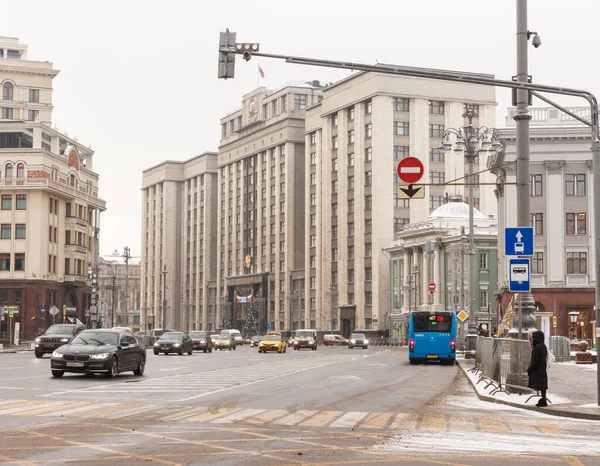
pixel 401 128
pixel 334 232
pixel 284 103
pixel 368 226
pixel 299 101
pixel 368 274
pixel 313 220
pixel 350 182
pixel 436 131
pixel 537 222
pixel 334 119
pixel 537 262
pixel 436 155
pixel 334 142
pixel 313 179
pixel 21 201
pixel 334 254
pixel 368 301
pixel 7 113
pixel 368 130
pixel 351 136
pixel 334 187
pixel 483 299
pixel 437 177
pixel 350 228
pixel 368 249
pixel 368 202
pixel 576 223
pixel 350 206
pixel 435 202
pixel 334 164
pixel 400 152
pixel 34 95
pixel 351 114
pixel 436 107
pixel 473 107
pixel 576 263
pixel 483 261
pixel 32 115
pixel 368 178
pixel 313 158
pixel 313 199
pixel 400 223
pixel 313 138
pixel 575 185
pixel 20 231
pixel 350 298
pixel 401 104
pixel 6 231
pixel 401 202
pixel 351 275
pixel 368 107
pixel 368 154
pixel 313 241
pixel 20 261
pixel 535 185
pixel 350 160
pixel 7 202
pixel 334 209
pixel 5 262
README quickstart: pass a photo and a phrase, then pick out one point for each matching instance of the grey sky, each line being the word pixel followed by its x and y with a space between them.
pixel 138 78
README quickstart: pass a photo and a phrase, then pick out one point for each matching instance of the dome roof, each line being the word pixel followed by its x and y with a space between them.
pixel 455 210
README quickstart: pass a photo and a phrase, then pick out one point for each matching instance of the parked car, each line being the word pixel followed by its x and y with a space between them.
pixel 306 338
pixel 255 341
pixel 99 351
pixel 174 342
pixel 272 342
pixel 54 337
pixel 225 340
pixel 358 339
pixel 334 340
pixel 201 341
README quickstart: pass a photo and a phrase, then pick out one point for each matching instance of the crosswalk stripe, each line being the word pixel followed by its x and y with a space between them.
pixel 239 416
pixel 127 412
pixel 185 414
pixel 490 424
pixel 70 411
pixel 48 409
pixel 433 421
pixel 295 418
pixel 322 418
pixel 349 419
pixel 25 406
pixel 8 402
pixel 551 428
pixel 462 423
pixel 376 421
pixel 210 415
pixel 100 407
pixel 266 417
pixel 404 421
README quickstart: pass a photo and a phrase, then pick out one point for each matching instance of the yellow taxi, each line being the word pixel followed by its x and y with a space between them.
pixel 272 341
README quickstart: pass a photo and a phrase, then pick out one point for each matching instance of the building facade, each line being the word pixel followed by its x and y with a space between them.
pixel 50 202
pixel 179 244
pixel 561 199
pixel 436 251
pixel 354 140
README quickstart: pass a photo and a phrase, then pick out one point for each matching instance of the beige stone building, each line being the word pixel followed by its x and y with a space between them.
pixel 50 200
pixel 179 230
pixel 354 140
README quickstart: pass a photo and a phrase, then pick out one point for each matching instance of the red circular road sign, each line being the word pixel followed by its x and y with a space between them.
pixel 431 286
pixel 410 170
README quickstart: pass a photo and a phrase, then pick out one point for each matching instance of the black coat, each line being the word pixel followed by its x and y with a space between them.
pixel 538 376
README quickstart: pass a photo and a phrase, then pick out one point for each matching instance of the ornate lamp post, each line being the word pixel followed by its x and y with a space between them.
pixel 471 142
pixel 573 317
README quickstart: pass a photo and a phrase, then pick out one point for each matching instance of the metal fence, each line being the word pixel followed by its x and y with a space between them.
pixel 560 347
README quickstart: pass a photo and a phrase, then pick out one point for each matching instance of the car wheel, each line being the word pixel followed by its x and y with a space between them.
pixel 413 361
pixel 166 353
pixel 156 353
pixel 113 368
pixel 39 355
pixel 181 352
pixel 210 350
pixel 141 367
pixel 57 374
pixel 190 352
pixel 205 350
pixel 234 347
pixel 367 347
pixel 284 349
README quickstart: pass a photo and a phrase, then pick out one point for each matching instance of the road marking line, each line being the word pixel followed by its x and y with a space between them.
pixel 349 419
pixel 295 418
pixel 212 414
pixel 551 428
pixel 403 421
pixel 266 417
pixel 491 424
pixel 127 412
pixel 49 409
pixel 376 421
pixel 189 413
pixel 573 461
pixel 322 418
pixel 462 423
pixel 433 421
pixel 8 402
pixel 68 412
pixel 26 406
pixel 239 416
pixel 99 408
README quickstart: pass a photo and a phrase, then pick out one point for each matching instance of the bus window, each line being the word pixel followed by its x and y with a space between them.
pixel 432 323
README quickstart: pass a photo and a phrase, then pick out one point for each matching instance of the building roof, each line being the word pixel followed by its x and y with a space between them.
pixel 116 257
pixel 454 210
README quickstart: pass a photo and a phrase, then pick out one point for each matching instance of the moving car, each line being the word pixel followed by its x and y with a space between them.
pixel 255 340
pixel 358 339
pixel 272 342
pixel 54 337
pixel 100 351
pixel 306 338
pixel 214 337
pixel 174 342
pixel 236 335
pixel 225 340
pixel 334 340
pixel 201 341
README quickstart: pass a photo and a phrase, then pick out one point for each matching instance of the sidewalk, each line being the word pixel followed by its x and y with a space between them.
pixel 16 349
pixel 572 391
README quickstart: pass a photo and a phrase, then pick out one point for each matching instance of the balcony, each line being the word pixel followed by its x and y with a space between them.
pixel 71 221
pixel 538 280
pixel 578 280
pixel 74 248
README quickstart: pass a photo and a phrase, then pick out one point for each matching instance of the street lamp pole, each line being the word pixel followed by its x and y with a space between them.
pixel 164 306
pixel 126 256
pixel 114 283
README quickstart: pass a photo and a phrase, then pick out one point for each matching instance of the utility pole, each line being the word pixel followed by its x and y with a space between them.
pixel 164 306
pixel 126 256
pixel 94 271
pixel 114 283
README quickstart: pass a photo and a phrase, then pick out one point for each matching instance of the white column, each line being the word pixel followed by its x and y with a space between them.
pixel 440 284
pixel 425 282
pixel 555 229
pixel 417 261
pixel 406 277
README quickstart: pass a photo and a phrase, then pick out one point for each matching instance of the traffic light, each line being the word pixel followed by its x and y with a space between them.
pixel 227 59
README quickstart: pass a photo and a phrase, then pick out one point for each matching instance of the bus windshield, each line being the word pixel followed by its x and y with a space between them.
pixel 426 322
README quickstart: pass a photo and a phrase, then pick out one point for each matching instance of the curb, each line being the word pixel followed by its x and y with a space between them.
pixel 548 410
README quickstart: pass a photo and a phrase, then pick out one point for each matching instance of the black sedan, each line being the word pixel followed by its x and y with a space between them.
pixel 174 342
pixel 100 351
pixel 54 337
pixel 201 341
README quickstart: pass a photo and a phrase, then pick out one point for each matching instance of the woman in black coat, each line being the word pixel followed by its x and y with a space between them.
pixel 538 376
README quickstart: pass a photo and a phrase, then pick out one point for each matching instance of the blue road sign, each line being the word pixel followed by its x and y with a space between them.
pixel 519 274
pixel 270 325
pixel 518 241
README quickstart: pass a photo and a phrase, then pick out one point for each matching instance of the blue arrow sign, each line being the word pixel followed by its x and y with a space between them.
pixel 518 241
pixel 519 274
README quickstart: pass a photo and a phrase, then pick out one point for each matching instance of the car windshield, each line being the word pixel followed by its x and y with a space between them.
pixel 224 336
pixel 271 338
pixel 171 336
pixel 304 334
pixel 257 338
pixel 357 335
pixel 60 330
pixel 96 338
pixel 198 334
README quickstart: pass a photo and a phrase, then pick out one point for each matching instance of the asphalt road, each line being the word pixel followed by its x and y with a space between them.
pixel 332 406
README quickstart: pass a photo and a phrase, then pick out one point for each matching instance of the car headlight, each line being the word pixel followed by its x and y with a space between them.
pixel 176 345
pixel 100 356
pixel 366 342
pixel 56 354
pixel 352 341
pixel 310 342
pixel 296 341
pixel 64 340
pixel 202 342
pixel 156 344
pixel 37 340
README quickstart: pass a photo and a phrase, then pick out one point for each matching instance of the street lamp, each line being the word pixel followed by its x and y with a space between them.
pixel 472 142
pixel 333 291
pixel 114 283
pixel 573 317
pixel 126 256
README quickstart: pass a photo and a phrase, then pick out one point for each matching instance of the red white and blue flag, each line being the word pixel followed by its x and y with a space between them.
pixel 261 72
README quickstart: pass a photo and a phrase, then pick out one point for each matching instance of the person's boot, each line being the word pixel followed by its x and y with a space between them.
pixel 542 403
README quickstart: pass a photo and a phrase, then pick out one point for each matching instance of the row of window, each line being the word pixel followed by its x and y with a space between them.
pixel 574 185
pixel 575 223
pixel 5 262
pixel 7 202
pixel 576 263
pixel 6 231
pixel 9 171
pixel 4 294
pixel 8 114
pixel 8 92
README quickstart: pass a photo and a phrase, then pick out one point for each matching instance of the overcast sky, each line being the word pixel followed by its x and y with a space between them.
pixel 138 77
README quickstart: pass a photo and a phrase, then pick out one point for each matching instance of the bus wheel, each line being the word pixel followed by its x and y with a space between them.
pixel 413 362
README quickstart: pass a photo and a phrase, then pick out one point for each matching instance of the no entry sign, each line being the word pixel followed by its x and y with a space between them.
pixel 431 286
pixel 410 170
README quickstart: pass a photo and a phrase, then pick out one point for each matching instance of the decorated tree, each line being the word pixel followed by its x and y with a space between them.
pixel 251 325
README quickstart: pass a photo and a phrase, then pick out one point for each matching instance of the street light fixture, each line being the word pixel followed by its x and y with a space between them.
pixel 573 317
pixel 126 256
pixel 472 142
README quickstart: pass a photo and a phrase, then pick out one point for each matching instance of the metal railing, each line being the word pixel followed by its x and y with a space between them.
pixel 561 348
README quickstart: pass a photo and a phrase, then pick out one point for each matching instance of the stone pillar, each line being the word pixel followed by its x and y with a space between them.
pixel 406 284
pixel 425 282
pixel 440 284
pixel 416 262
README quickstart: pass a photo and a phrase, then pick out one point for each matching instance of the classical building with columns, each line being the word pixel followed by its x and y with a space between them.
pixel 561 196
pixel 436 251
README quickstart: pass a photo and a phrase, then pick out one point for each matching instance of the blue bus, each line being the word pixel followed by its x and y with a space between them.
pixel 432 337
